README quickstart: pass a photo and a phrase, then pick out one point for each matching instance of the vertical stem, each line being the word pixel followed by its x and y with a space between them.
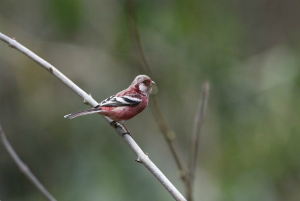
pixel 198 122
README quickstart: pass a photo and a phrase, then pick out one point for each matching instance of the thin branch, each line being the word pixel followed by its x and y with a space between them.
pixel 144 159
pixel 169 136
pixel 165 129
pixel 24 168
pixel 198 121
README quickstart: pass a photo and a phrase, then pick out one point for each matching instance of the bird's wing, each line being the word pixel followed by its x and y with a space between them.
pixel 114 101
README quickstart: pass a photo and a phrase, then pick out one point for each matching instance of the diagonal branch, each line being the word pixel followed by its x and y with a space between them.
pixel 165 129
pixel 143 158
pixel 24 168
pixel 198 121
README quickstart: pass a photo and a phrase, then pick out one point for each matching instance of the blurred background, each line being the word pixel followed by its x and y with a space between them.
pixel 247 50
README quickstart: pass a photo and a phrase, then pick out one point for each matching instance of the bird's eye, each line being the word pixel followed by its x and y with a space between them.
pixel 145 81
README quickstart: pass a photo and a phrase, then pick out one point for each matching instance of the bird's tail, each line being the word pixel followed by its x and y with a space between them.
pixel 83 112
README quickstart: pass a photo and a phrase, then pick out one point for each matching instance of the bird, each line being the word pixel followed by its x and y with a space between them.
pixel 124 105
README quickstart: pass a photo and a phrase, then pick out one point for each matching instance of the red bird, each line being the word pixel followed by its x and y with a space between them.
pixel 125 104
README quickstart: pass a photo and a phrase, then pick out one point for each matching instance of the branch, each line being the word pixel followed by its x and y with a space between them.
pixel 165 129
pixel 144 159
pixel 199 118
pixel 24 168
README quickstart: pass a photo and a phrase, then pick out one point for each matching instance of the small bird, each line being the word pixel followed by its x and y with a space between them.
pixel 124 105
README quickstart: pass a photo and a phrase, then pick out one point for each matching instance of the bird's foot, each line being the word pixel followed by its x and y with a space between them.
pixel 114 124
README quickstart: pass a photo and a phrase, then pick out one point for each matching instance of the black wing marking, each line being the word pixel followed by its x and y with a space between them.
pixel 120 101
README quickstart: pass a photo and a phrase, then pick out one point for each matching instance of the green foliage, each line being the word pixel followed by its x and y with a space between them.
pixel 67 15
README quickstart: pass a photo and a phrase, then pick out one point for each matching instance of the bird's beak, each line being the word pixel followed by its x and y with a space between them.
pixel 152 83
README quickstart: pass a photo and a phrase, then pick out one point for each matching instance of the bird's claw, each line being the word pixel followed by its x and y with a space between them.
pixel 114 124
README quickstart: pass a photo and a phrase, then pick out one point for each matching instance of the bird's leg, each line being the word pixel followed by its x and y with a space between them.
pixel 127 130
pixel 115 125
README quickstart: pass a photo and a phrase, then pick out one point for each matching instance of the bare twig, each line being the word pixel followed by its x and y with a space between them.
pixel 198 121
pixel 144 159
pixel 165 129
pixel 167 132
pixel 24 168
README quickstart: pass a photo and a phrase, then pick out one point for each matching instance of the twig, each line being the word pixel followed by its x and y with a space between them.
pixel 198 121
pixel 24 168
pixel 144 159
pixel 165 129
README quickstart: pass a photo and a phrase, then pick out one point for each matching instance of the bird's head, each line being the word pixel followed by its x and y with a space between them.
pixel 143 83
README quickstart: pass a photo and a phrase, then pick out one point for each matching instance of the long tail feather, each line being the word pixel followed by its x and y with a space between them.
pixel 83 112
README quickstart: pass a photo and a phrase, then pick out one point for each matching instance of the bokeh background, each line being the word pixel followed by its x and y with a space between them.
pixel 247 50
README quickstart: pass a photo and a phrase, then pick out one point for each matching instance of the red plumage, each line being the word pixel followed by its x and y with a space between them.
pixel 123 113
pixel 125 104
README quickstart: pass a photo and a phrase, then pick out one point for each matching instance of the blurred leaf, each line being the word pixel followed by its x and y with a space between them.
pixel 67 15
